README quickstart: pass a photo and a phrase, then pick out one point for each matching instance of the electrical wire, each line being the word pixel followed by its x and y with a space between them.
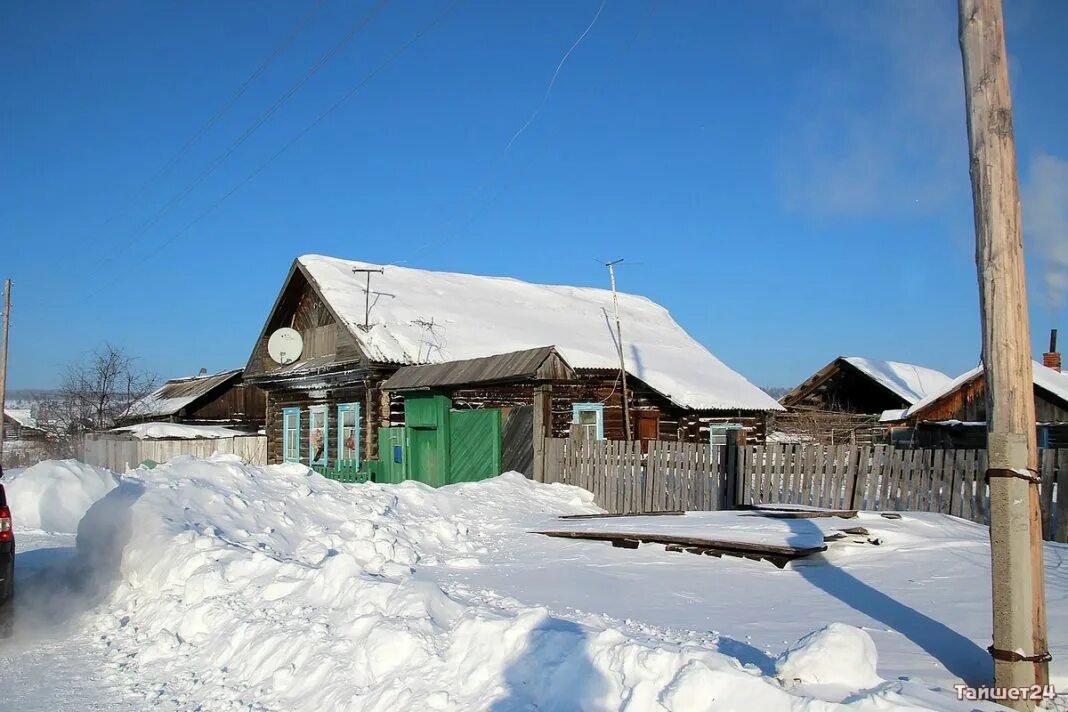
pixel 263 118
pixel 476 213
pixel 426 29
pixel 275 53
pixel 556 73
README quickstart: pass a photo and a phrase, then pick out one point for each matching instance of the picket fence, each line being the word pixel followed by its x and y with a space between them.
pixel 673 476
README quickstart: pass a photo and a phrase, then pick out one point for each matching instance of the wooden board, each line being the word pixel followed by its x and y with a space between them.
pixel 778 554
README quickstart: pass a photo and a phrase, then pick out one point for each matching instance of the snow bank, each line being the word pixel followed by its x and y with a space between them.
pixel 272 588
pixel 839 654
pixel 155 431
pixel 54 494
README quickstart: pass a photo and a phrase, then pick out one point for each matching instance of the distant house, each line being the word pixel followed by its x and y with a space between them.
pixel 25 440
pixel 423 351
pixel 844 400
pixel 217 399
pixel 955 415
pixel 20 425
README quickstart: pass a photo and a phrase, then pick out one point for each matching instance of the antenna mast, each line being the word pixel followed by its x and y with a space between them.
pixel 366 325
pixel 619 342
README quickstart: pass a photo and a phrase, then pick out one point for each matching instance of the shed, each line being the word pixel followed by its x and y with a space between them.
pixel 218 399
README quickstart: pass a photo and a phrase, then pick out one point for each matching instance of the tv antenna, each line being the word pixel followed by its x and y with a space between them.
pixel 619 342
pixel 366 325
pixel 431 339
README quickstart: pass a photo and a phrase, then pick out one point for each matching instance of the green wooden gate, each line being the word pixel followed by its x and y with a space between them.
pixel 474 445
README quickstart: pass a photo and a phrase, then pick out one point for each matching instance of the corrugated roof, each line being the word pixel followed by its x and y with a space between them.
pixel 178 393
pixel 516 365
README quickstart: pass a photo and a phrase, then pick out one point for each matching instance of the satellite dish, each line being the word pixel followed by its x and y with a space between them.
pixel 285 346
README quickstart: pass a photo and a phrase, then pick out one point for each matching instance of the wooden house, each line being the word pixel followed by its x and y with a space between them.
pixel 20 425
pixel 376 341
pixel 222 398
pixel 844 400
pixel 955 415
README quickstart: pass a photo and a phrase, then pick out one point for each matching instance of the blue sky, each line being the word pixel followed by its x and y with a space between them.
pixel 789 179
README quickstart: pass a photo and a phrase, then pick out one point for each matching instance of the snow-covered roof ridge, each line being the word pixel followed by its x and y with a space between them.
pixel 1044 377
pixel 422 316
pixel 911 382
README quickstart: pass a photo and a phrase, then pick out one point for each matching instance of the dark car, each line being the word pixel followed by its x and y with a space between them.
pixel 7 551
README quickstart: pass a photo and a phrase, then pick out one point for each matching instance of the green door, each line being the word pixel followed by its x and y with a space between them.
pixel 475 444
pixel 426 458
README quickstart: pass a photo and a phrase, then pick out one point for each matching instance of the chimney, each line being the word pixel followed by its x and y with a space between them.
pixel 1052 358
pixel 204 371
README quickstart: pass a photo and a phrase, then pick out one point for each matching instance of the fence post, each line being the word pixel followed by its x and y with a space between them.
pixel 862 456
pixel 735 473
pixel 541 421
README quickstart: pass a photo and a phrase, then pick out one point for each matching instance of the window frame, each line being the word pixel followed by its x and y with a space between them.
pixel 313 410
pixel 286 413
pixel 597 408
pixel 343 408
pixel 714 428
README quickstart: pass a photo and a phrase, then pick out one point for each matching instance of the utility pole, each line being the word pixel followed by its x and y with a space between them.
pixel 3 364
pixel 1020 649
pixel 619 342
pixel 366 326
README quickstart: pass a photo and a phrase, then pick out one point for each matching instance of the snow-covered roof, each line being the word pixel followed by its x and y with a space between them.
pixel 21 416
pixel 913 383
pixel 178 393
pixel 419 316
pixel 1044 377
pixel 157 431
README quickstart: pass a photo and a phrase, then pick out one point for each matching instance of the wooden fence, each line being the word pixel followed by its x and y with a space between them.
pixel 689 476
pixel 118 454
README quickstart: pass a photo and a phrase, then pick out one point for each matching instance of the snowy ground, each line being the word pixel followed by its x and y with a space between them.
pixel 51 663
pixel 213 585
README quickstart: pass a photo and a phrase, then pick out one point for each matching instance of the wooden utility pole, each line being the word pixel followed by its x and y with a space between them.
pixel 619 342
pixel 1020 644
pixel 3 364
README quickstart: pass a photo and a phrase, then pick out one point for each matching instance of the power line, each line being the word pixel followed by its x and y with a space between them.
pixel 220 158
pixel 474 195
pixel 556 73
pixel 426 29
pixel 223 108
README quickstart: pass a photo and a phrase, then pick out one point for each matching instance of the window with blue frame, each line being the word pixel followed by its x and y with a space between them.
pixel 588 420
pixel 291 434
pixel 318 435
pixel 348 434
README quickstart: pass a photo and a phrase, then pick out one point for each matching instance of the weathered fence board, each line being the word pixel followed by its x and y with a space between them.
pixel 118 454
pixel 674 476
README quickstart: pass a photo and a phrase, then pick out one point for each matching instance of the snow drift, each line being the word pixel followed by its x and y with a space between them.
pixel 839 654
pixel 54 494
pixel 218 585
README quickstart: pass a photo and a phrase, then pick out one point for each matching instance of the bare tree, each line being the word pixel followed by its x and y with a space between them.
pixel 97 391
